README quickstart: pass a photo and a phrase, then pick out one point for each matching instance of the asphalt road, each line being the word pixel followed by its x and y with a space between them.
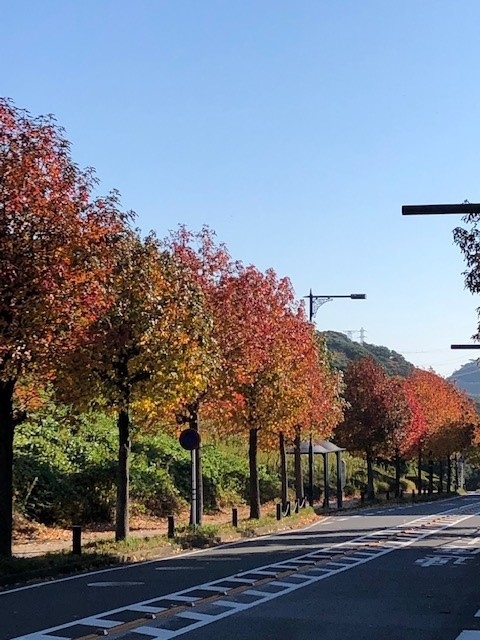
pixel 409 572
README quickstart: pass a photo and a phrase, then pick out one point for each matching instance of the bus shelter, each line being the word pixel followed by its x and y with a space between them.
pixel 323 448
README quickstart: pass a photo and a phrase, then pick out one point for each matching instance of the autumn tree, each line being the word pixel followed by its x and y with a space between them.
pixel 403 413
pixel 55 242
pixel 375 406
pixel 146 350
pixel 310 396
pixel 254 306
pixel 412 439
pixel 448 415
pixel 293 376
pixel 207 263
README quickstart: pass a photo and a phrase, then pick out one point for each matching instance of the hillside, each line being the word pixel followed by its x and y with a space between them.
pixel 345 350
pixel 467 378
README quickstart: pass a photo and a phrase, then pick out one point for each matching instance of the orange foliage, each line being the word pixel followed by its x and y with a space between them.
pixel 449 415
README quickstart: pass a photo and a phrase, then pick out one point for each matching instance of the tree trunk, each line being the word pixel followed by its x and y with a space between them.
pixel 283 468
pixel 456 472
pixel 124 445
pixel 254 481
pixel 430 476
pixel 449 474
pixel 440 476
pixel 419 479
pixel 298 466
pixel 397 474
pixel 7 426
pixel 370 489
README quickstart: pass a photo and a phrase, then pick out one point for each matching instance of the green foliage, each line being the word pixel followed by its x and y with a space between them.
pixel 225 475
pixel 344 351
pixel 160 474
pixel 66 465
pixel 270 484
pixel 198 537
pixel 349 491
pixel 381 486
pixel 64 468
pixel 407 485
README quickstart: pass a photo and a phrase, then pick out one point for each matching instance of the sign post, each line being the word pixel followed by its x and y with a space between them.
pixel 190 440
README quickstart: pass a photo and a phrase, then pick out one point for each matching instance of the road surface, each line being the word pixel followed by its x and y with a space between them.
pixel 406 572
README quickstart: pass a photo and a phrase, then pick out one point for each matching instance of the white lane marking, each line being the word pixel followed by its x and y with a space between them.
pixel 183 568
pixel 120 583
pixel 477 615
pixel 469 635
pixel 296 582
pixel 94 621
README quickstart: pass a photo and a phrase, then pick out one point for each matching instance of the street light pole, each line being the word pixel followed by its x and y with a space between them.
pixel 315 302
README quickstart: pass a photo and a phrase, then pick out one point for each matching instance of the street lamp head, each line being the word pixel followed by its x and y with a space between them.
pixel 463 209
pixel 358 296
pixel 465 346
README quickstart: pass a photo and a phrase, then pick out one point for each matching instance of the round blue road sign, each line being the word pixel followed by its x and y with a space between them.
pixel 189 439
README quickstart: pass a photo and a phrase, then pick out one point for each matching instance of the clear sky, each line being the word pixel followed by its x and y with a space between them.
pixel 296 129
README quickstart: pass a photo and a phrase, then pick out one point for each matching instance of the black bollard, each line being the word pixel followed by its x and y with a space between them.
pixel 413 495
pixel 297 506
pixel 234 517
pixel 77 540
pixel 171 527
pixel 387 495
pixel 362 497
pixel 279 511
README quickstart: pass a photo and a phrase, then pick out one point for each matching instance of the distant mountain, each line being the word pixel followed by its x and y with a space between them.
pixel 345 350
pixel 467 378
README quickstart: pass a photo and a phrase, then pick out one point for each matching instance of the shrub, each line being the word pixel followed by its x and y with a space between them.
pixel 381 486
pixel 154 488
pixel 349 490
pixel 64 467
pixel 407 485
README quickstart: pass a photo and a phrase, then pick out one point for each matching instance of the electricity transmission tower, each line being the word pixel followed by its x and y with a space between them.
pixel 351 333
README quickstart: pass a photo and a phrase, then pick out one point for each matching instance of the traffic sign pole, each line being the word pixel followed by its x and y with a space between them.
pixel 190 440
pixel 193 503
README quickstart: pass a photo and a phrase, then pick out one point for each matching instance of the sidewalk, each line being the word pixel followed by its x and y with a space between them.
pixel 37 540
pixel 32 540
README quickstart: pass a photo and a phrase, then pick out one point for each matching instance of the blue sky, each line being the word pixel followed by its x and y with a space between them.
pixel 295 129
